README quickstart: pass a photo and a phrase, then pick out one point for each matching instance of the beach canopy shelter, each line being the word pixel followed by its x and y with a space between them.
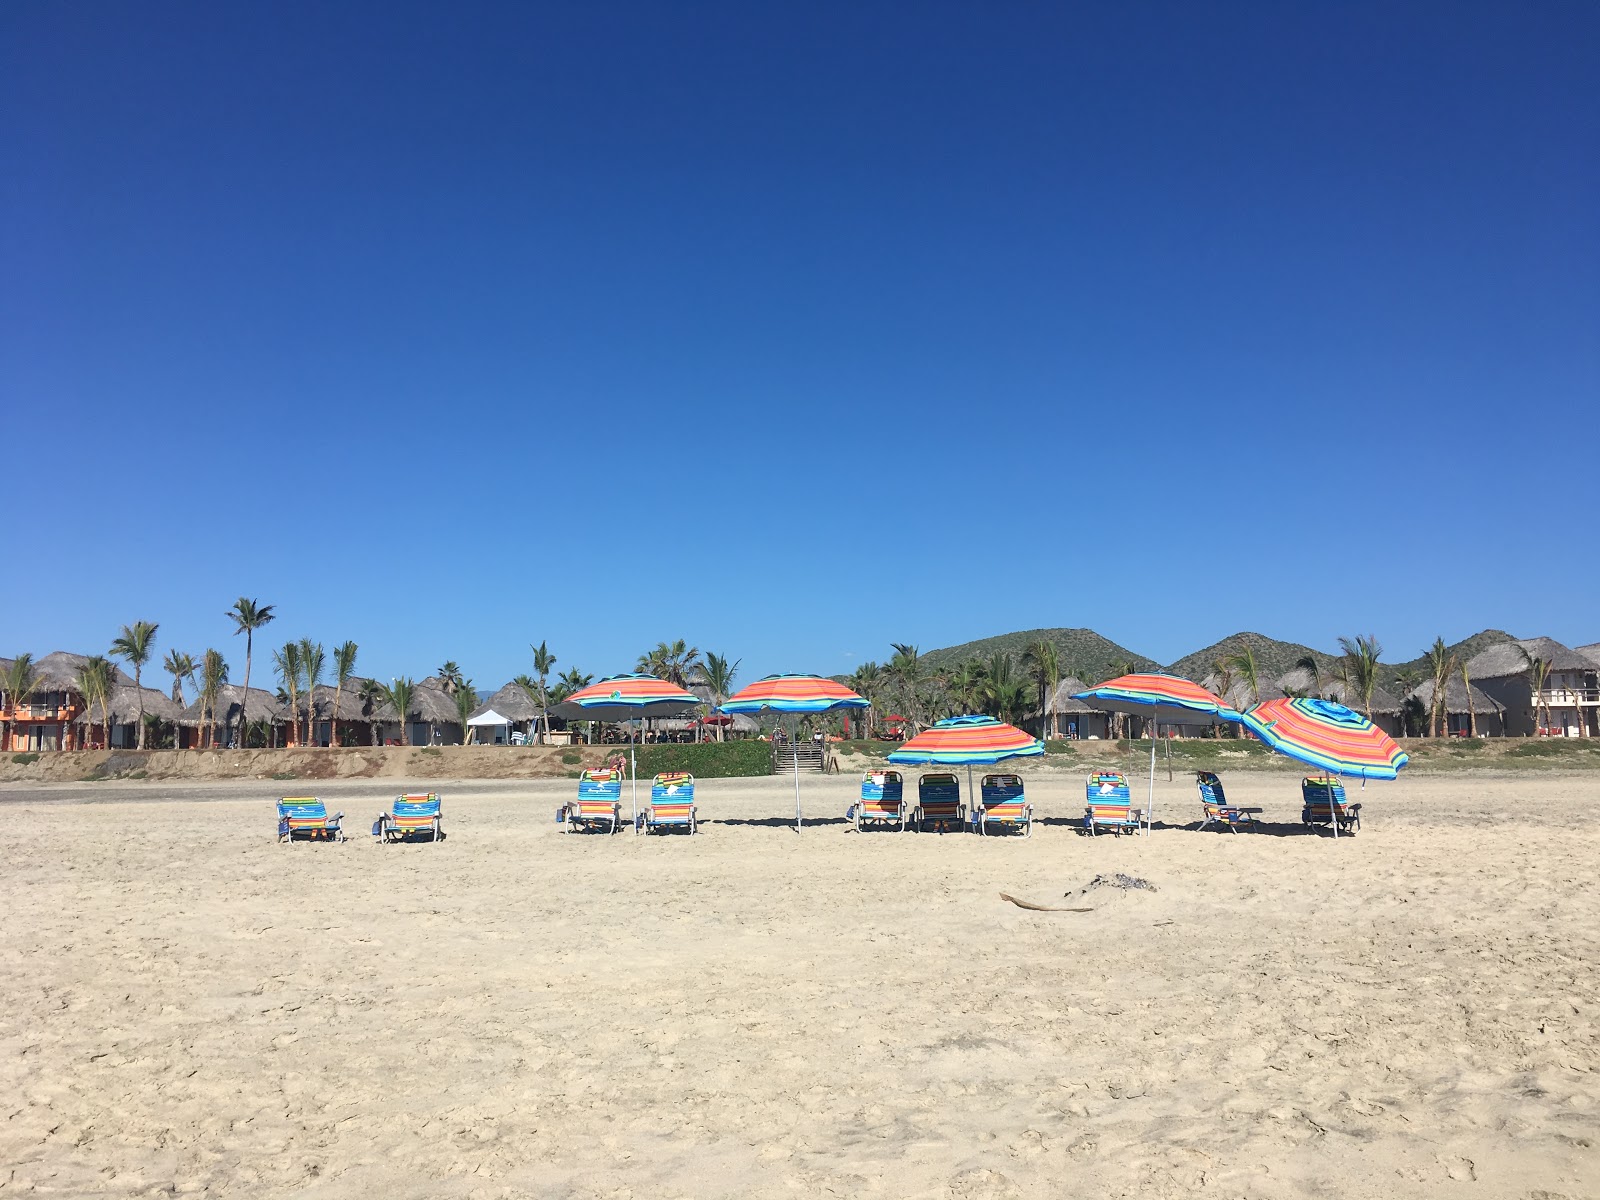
pixel 1328 735
pixel 789 695
pixel 489 719
pixel 972 740
pixel 1157 698
pixel 628 698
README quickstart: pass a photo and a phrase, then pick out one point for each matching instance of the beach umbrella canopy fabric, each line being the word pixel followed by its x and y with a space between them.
pixel 1326 735
pixel 973 740
pixel 792 694
pixel 626 698
pixel 1158 698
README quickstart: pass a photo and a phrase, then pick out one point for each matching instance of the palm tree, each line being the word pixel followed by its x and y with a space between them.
pixel 344 665
pixel 94 681
pixel 1360 668
pixel 1472 706
pixel 466 699
pixel 312 662
pixel 20 681
pixel 905 672
pixel 964 686
pixel 1538 675
pixel 1407 682
pixel 181 667
pixel 1312 666
pixel 572 680
pixel 1043 659
pixel 213 674
pixel 400 693
pixel 1441 666
pixel 372 695
pixel 867 682
pixel 676 662
pixel 248 616
pixel 134 647
pixel 286 662
pixel 543 662
pixel 1222 672
pixel 449 678
pixel 718 674
pixel 1249 673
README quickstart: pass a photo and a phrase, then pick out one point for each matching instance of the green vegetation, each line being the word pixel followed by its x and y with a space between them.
pixel 1552 748
pixel 1272 657
pixel 25 758
pixel 707 760
pixel 430 751
pixel 283 775
pixel 570 757
pixel 1076 650
pixel 1060 747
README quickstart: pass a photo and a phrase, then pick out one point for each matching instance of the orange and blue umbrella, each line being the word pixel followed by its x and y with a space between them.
pixel 627 698
pixel 1327 735
pixel 793 694
pixel 1158 697
pixel 973 740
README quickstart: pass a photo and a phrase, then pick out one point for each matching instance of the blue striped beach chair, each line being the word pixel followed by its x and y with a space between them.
pixel 413 818
pixel 939 802
pixel 1322 803
pixel 1003 805
pixel 306 819
pixel 671 803
pixel 599 803
pixel 1214 805
pixel 1110 805
pixel 882 801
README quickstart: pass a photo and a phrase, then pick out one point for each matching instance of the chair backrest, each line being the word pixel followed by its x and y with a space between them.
pixel 424 807
pixel 1321 791
pixel 998 790
pixel 596 786
pixel 882 787
pixel 1107 789
pixel 297 809
pixel 941 787
pixel 672 787
pixel 1211 793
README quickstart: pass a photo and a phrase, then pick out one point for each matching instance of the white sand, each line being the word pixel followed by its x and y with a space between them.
pixel 191 1007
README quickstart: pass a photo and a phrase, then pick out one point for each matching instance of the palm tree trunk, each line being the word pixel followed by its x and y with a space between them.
pixel 138 686
pixel 244 696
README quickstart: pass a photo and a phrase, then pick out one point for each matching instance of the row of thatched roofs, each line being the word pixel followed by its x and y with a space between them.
pixel 431 703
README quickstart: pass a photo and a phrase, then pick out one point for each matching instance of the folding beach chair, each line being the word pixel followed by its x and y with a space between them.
pixel 1214 804
pixel 413 819
pixel 306 819
pixel 1322 799
pixel 599 803
pixel 1110 805
pixel 939 802
pixel 882 801
pixel 1003 805
pixel 671 803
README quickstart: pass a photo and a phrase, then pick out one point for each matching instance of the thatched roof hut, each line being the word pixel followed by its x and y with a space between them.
pixel 510 702
pixel 58 672
pixel 1061 701
pixel 262 706
pixel 430 704
pixel 124 705
pixel 1591 651
pixel 1298 682
pixel 1506 659
pixel 1455 698
pixel 1238 694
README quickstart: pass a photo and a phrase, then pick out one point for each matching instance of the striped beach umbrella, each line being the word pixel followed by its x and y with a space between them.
pixel 791 694
pixel 1158 698
pixel 972 740
pixel 627 698
pixel 1327 735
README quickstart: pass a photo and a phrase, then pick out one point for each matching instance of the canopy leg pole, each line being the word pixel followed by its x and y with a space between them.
pixel 633 758
pixel 1150 805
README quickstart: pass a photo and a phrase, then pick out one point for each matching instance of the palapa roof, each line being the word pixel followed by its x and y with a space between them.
pixel 124 703
pixel 1061 701
pixel 430 704
pixel 1506 659
pixel 1298 683
pixel 1591 651
pixel 1239 696
pixel 58 672
pixel 1455 697
pixel 510 702
pixel 262 705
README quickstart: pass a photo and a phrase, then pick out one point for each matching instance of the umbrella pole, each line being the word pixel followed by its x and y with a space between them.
pixel 1169 760
pixel 633 758
pixel 1333 810
pixel 1150 806
pixel 794 753
pixel 970 801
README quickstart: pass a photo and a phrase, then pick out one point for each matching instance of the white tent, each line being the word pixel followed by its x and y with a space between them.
pixel 491 719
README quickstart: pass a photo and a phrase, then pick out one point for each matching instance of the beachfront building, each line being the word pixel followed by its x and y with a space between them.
pixel 124 704
pixel 516 706
pixel 43 719
pixel 1465 710
pixel 1384 709
pixel 1568 703
pixel 267 716
pixel 1074 719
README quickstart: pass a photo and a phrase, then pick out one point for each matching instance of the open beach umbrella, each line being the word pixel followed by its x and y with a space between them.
pixel 1327 735
pixel 1157 698
pixel 973 740
pixel 791 694
pixel 628 698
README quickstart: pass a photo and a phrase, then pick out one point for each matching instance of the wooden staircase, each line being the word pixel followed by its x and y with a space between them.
pixel 811 757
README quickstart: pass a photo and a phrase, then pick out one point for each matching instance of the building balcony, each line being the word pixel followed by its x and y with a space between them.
pixel 1568 697
pixel 40 712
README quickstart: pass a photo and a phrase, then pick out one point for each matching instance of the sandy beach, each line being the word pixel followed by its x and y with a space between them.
pixel 192 1008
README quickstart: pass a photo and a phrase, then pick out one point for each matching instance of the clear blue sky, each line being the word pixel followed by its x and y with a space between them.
pixel 795 329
